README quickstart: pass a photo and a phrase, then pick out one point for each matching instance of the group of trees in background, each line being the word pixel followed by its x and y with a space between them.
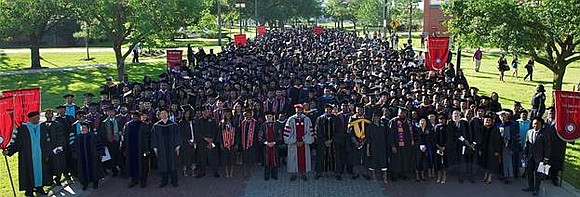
pixel 546 30
pixel 370 13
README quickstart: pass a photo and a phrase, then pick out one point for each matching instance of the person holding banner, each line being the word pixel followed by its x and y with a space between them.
pixel 558 147
pixel 32 143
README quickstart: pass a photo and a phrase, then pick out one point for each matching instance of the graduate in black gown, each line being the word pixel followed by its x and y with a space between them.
pixel 425 150
pixel 249 142
pixel 187 152
pixel 31 142
pixel 440 145
pixel 137 151
pixel 377 148
pixel 207 147
pixel 166 144
pixel 88 152
pixel 270 137
pixel 229 140
pixel 58 140
pixel 330 133
pixel 490 149
pixel 402 145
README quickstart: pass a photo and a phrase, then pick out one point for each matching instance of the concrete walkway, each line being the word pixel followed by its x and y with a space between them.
pixel 68 68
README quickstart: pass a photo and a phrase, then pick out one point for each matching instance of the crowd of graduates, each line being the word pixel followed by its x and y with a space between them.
pixel 337 104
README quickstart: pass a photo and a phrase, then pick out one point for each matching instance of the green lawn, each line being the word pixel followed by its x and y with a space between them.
pixel 54 85
pixel 487 80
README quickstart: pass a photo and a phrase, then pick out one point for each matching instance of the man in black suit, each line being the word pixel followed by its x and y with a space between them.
pixel 537 150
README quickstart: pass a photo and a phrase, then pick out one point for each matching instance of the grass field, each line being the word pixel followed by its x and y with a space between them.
pixel 515 89
pixel 54 85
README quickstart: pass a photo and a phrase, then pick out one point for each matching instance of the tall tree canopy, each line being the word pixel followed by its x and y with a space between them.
pixel 133 21
pixel 31 19
pixel 546 30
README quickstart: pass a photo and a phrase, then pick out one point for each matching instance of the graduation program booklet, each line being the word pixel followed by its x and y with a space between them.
pixel 544 168
pixel 107 155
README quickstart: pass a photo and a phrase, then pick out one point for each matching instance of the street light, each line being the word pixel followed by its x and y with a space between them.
pixel 409 41
pixel 240 6
pixel 219 10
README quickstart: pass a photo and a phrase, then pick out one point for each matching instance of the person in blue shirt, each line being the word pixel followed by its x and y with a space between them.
pixel 524 126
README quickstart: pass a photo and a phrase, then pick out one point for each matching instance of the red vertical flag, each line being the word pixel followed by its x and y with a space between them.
pixel 174 58
pixel 261 30
pixel 318 30
pixel 438 48
pixel 240 39
pixel 6 123
pixel 567 115
pixel 25 101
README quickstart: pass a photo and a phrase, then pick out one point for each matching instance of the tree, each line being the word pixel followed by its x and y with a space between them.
pixel 341 10
pixel 31 19
pixel 547 31
pixel 401 12
pixel 134 21
pixel 370 12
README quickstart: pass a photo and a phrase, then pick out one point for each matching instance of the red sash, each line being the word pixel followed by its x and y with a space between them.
pixel 248 133
pixel 228 135
pixel 301 152
pixel 270 151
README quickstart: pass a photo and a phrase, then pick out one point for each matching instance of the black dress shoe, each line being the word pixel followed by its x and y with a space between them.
pixel 338 177
pixel 216 175
pixel 162 185
pixel 535 193
pixel 174 184
pixel 41 191
pixel 460 180
pixel 275 177
pixel 293 178
pixel 266 178
pixel 304 178
pixel 354 176
pixel 528 190
pixel 317 176
pixel 96 186
pixel 85 187
pixel 199 175
pixel 366 176
pixel 131 185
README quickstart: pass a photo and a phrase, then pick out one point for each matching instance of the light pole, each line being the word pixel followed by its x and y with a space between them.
pixel 219 12
pixel 240 6
pixel 385 18
pixel 256 16
pixel 409 41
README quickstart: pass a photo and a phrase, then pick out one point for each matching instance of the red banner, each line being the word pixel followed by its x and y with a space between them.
pixel 261 30
pixel 25 101
pixel 318 30
pixel 240 39
pixel 438 50
pixel 174 58
pixel 567 115
pixel 6 123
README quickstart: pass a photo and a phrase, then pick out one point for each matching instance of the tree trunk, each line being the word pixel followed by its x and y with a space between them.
pixel 558 77
pixel 35 52
pixel 120 61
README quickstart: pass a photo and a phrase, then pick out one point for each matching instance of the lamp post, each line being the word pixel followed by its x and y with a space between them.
pixel 240 6
pixel 385 18
pixel 219 13
pixel 409 41
pixel 256 16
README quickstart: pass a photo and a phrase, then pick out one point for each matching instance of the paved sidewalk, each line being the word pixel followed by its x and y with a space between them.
pixel 69 68
pixel 325 186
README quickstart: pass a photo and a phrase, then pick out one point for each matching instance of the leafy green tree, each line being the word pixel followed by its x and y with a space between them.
pixel 548 31
pixel 341 10
pixel 370 12
pixel 31 19
pixel 133 21
pixel 401 12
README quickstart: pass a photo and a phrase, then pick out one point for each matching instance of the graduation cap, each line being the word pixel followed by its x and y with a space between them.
pixel 60 107
pixel 378 113
pixel 81 112
pixel 33 114
pixel 163 109
pixel 329 105
pixel 48 110
pixel 517 103
pixel 269 113
pixel 135 112
pixel 104 92
pixel 68 95
pixel 109 78
pixel 88 95
pixel 485 97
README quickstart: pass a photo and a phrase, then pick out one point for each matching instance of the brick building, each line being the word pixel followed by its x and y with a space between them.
pixel 433 17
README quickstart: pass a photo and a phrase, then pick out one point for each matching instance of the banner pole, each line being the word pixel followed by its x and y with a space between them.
pixel 10 175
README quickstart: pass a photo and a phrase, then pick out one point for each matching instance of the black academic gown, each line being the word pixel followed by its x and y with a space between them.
pixel 206 154
pixel 187 152
pixel 558 149
pixel 166 138
pixel 454 145
pixel 137 151
pixel 404 159
pixel 328 127
pixel 270 154
pixel 378 146
pixel 58 138
pixel 249 151
pixel 87 151
pixel 22 146
pixel 491 143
